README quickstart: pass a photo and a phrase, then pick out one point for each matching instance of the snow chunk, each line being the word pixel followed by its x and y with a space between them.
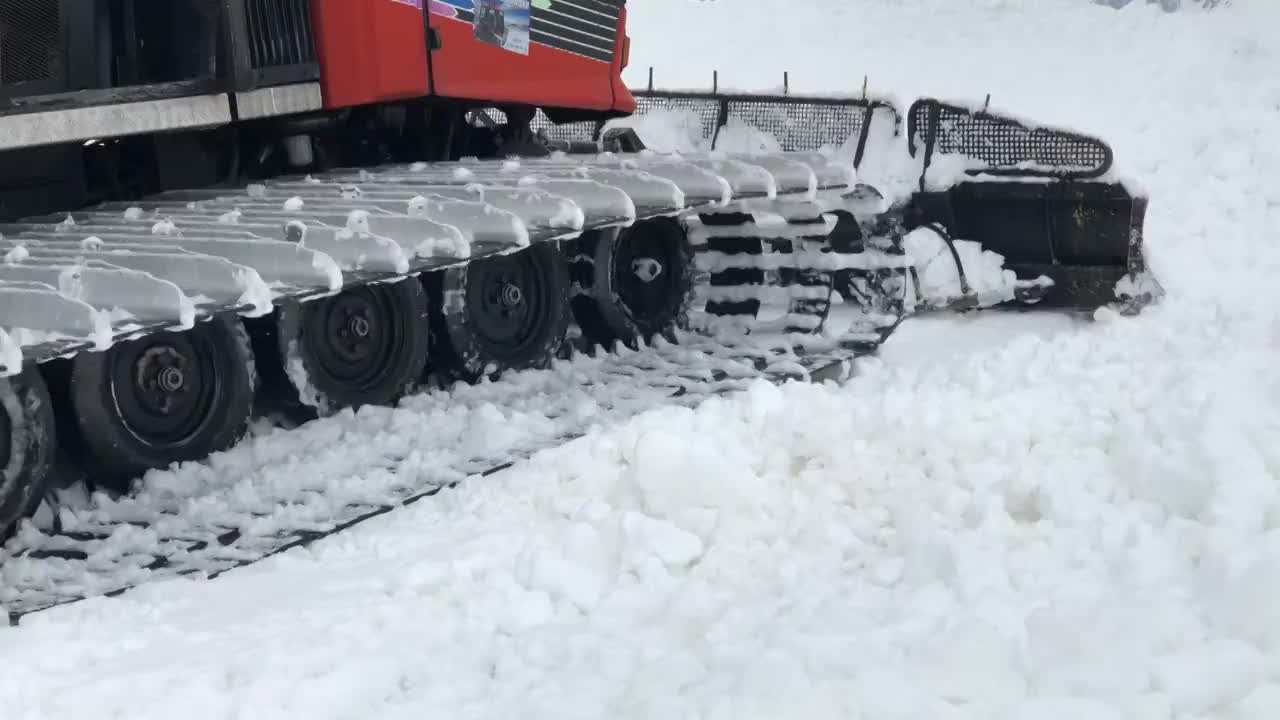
pixel 971 662
pixel 673 546
pixel 1220 672
pixel 17 254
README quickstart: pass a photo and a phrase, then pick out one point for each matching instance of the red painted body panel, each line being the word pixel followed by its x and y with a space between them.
pixel 376 50
pixel 623 100
pixel 370 50
pixel 464 67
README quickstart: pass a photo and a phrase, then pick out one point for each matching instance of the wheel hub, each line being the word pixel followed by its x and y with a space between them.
pixel 359 336
pixel 171 379
pixel 505 301
pixel 512 295
pixel 646 268
pixel 160 379
pixel 164 388
pixel 351 333
pixel 358 326
pixel 647 273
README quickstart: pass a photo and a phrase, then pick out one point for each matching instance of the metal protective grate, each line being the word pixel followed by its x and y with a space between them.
pixel 279 33
pixel 798 123
pixel 1006 146
pixel 30 41
pixel 801 125
pixel 707 109
pixel 582 131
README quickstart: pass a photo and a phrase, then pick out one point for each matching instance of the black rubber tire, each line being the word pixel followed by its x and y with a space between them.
pixel 28 440
pixel 348 370
pixel 118 449
pixel 614 305
pixel 464 344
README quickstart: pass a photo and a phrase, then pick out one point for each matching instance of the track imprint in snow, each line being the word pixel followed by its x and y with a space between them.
pixel 1078 526
pixel 1010 535
pixel 282 488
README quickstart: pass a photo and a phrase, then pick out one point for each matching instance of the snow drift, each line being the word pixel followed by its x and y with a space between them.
pixel 1062 520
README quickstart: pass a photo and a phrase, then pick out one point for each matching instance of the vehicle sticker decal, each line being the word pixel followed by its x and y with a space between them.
pixel 502 23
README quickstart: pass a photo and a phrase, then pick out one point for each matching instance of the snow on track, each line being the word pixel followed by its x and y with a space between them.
pixel 285 488
pixel 1072 522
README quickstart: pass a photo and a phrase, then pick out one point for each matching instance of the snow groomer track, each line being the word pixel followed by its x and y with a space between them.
pixel 148 333
pixel 95 279
pixel 270 495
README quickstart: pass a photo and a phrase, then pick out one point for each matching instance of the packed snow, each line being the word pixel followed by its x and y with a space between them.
pixel 1008 517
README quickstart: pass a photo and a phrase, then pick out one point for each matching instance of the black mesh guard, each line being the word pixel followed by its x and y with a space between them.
pixel 30 41
pixel 801 125
pixel 1005 146
pixel 705 108
pixel 798 123
pixel 581 131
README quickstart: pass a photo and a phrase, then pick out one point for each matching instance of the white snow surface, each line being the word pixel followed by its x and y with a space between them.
pixel 1002 517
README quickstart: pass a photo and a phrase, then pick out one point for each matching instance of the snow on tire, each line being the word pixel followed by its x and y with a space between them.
pixel 365 346
pixel 506 312
pixel 27 441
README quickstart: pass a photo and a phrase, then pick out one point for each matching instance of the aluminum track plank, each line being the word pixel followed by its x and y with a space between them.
pixel 241 249
pixel 142 295
pixel 205 278
pixel 284 265
pixel 350 250
pixel 42 310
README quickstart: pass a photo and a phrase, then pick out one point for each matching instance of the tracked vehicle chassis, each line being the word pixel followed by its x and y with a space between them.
pixel 673 277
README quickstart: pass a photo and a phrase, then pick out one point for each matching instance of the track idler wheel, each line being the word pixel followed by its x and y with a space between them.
pixel 503 312
pixel 27 441
pixel 164 398
pixel 364 346
pixel 636 283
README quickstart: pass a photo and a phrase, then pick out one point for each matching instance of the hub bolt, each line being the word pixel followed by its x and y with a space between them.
pixel 171 379
pixel 647 269
pixel 511 295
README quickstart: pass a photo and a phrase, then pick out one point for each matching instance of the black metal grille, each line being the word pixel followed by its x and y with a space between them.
pixel 1004 146
pixel 582 131
pixel 279 33
pixel 798 123
pixel 708 109
pixel 30 42
pixel 801 125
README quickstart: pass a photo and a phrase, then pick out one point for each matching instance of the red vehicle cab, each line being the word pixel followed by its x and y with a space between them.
pixel 563 54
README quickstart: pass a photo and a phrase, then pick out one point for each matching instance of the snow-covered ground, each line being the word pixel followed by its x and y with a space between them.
pixel 1009 517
